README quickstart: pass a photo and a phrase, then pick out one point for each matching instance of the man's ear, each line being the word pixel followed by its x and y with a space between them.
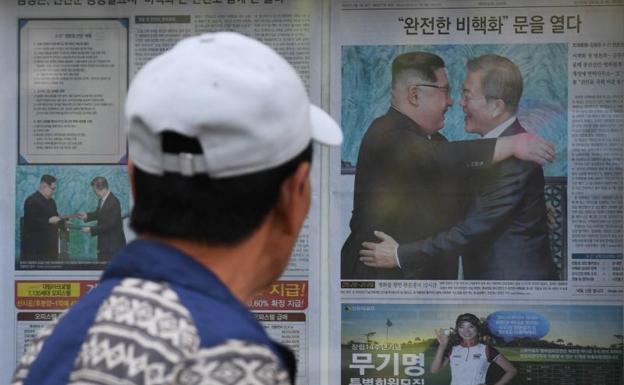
pixel 498 107
pixel 412 95
pixel 294 199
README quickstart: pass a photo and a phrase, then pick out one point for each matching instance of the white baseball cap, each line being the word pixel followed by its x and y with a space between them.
pixel 243 102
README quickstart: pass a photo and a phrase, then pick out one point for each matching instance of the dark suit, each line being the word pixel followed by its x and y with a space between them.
pixel 504 235
pixel 39 238
pixel 109 228
pixel 408 186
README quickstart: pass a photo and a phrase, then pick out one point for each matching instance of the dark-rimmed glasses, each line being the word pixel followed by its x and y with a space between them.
pixel 445 89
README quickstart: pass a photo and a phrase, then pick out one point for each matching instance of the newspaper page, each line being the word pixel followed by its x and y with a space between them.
pixel 72 63
pixel 40 302
pixel 455 265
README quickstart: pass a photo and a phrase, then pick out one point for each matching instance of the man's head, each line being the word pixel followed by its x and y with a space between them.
pixel 420 89
pixel 47 185
pixel 491 93
pixel 99 184
pixel 220 131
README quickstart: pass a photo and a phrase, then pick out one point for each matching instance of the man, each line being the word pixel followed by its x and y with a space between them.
pixel 409 179
pixel 109 228
pixel 504 235
pixel 220 131
pixel 40 229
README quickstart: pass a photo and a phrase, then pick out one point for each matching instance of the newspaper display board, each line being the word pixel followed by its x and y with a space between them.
pixel 421 233
pixel 65 71
pixel 73 63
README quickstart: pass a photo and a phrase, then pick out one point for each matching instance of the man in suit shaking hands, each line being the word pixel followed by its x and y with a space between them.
pixel 109 227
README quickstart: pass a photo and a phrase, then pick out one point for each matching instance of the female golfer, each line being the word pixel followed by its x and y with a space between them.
pixel 469 358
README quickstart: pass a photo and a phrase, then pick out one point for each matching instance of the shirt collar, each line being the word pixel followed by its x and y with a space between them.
pixel 496 132
pixel 157 261
pixel 468 344
pixel 412 124
pixel 104 197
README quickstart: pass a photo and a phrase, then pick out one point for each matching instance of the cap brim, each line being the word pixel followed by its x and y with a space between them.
pixel 325 130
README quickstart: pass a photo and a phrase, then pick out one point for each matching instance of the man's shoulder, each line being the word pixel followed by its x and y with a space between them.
pixel 514 128
pixel 379 126
pixel 511 173
pixel 34 197
pixel 191 317
pixel 160 320
pixel 233 362
pixel 517 168
pixel 142 324
pixel 390 128
pixel 112 199
pixel 512 165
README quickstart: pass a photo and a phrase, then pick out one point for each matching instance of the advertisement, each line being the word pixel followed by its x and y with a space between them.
pixel 475 344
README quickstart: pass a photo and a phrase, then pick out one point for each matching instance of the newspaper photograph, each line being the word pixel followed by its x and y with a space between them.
pixel 70 217
pixel 405 189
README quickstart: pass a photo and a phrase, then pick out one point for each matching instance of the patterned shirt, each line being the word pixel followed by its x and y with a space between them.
pixel 157 317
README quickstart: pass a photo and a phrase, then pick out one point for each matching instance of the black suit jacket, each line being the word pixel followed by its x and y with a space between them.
pixel 109 228
pixel 408 186
pixel 39 239
pixel 504 235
